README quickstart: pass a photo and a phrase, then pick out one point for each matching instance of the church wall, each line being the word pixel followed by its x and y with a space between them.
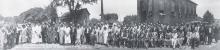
pixel 175 11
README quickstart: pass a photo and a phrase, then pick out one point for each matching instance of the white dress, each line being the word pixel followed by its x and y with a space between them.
pixel 78 37
pixel 39 29
pixel 2 39
pixel 36 34
pixel 105 35
pixel 67 35
pixel 61 34
pixel 96 32
pixel 174 40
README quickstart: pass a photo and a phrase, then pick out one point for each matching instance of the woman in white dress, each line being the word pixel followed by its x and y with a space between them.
pixel 61 34
pixel 3 39
pixel 105 35
pixel 96 32
pixel 174 40
pixel 39 29
pixel 36 34
pixel 78 37
pixel 67 35
pixel 100 35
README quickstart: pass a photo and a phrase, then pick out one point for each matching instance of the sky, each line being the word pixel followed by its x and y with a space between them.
pixel 121 7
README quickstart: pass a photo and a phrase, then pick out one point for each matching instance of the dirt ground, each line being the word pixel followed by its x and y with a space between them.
pixel 214 46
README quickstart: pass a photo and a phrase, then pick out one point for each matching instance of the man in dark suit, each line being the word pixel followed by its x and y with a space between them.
pixel 73 34
pixel 216 33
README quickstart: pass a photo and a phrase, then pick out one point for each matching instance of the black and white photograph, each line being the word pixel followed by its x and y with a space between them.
pixel 109 25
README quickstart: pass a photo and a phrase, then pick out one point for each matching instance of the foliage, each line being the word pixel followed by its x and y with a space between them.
pixel 132 19
pixel 110 17
pixel 94 21
pixel 37 15
pixel 208 17
pixel 32 15
pixel 50 13
pixel 74 6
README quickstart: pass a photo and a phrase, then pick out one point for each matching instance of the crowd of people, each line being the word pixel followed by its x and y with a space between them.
pixel 142 35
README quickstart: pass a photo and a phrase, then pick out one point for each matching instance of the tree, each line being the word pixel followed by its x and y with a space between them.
pixel 74 6
pixel 32 15
pixel 132 19
pixel 208 17
pixel 110 17
pixel 94 21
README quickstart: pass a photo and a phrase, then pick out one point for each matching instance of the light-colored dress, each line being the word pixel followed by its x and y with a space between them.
pixel 105 35
pixel 67 35
pixel 78 37
pixel 61 34
pixel 23 36
pixel 2 38
pixel 174 40
pixel 36 34
pixel 96 32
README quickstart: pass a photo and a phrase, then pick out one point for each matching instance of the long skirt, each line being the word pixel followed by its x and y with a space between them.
pixel 92 39
pixel 105 35
pixel 101 38
pixel 22 38
pixel 61 36
pixel 174 42
pixel 67 39
pixel 2 40
pixel 78 38
pixel 194 42
pixel 52 36
pixel 36 38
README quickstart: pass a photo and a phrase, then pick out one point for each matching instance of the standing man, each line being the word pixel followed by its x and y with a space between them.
pixel 93 38
pixel 88 32
pixel 18 31
pixel 210 33
pixel 73 34
pixel 202 34
pixel 43 33
pixel 216 33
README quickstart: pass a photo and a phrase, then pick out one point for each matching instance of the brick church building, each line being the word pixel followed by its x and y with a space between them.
pixel 167 11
